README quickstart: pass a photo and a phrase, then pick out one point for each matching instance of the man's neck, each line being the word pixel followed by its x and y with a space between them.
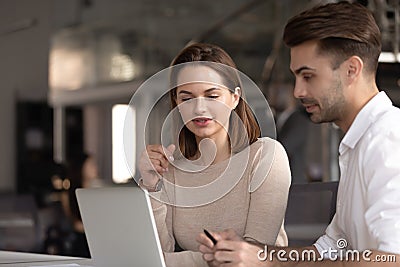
pixel 356 104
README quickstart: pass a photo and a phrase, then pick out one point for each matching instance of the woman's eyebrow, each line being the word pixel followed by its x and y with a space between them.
pixel 207 91
pixel 184 92
pixel 212 89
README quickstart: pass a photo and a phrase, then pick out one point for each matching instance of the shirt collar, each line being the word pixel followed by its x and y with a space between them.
pixel 367 115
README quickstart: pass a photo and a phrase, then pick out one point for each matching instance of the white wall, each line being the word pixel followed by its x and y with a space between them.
pixel 23 71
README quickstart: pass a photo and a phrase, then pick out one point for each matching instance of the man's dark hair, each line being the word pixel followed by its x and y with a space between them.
pixel 341 29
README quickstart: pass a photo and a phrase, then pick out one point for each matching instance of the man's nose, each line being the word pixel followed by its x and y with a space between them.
pixel 299 90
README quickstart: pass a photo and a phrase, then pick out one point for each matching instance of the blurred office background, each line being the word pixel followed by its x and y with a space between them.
pixel 68 69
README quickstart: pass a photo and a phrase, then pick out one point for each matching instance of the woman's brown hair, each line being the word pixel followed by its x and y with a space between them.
pixel 203 53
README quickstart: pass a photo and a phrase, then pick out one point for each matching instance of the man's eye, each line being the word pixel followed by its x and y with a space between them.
pixel 307 77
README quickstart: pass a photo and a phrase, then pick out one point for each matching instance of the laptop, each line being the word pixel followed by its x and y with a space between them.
pixel 120 227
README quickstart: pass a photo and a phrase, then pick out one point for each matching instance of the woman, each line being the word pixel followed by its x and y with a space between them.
pixel 218 128
pixel 82 173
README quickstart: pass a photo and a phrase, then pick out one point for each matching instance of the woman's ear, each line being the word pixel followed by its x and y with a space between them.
pixel 237 94
pixel 238 91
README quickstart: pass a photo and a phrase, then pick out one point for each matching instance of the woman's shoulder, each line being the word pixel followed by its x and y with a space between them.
pixel 270 163
pixel 268 144
pixel 266 140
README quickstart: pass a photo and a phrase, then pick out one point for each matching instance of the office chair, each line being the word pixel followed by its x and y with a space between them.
pixel 18 223
pixel 310 209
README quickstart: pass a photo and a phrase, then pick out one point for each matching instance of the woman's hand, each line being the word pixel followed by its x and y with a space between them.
pixel 208 249
pixel 155 159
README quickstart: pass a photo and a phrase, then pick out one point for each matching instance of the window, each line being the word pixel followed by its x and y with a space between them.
pixel 123 149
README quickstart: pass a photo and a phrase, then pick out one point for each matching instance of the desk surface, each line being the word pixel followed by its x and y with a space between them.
pixel 21 259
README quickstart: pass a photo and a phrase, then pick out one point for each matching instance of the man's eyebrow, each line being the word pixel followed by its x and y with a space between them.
pixel 299 70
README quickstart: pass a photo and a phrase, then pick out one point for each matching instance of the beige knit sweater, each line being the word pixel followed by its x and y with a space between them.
pixel 252 200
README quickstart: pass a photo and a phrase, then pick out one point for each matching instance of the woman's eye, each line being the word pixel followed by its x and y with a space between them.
pixel 213 96
pixel 185 99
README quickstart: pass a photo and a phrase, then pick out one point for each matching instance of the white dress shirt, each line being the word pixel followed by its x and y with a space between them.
pixel 368 204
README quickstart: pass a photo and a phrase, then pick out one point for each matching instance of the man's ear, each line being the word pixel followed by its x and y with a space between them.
pixel 354 68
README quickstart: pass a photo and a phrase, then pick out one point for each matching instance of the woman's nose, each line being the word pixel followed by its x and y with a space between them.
pixel 200 105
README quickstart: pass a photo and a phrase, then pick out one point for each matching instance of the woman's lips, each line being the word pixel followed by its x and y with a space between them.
pixel 201 121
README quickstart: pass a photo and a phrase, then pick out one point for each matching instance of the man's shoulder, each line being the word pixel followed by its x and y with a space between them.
pixel 384 132
pixel 387 122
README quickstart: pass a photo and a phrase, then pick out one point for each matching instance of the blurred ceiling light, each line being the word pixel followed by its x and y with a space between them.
pixel 83 58
pixel 122 68
pixel 389 57
pixel 69 69
pixel 66 184
pixel 57 182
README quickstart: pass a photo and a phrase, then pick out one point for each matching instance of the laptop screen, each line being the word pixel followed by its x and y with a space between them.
pixel 120 227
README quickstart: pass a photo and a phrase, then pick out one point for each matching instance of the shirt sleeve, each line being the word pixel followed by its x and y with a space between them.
pixel 329 240
pixel 268 195
pixel 163 218
pixel 382 177
pixel 163 215
pixel 185 259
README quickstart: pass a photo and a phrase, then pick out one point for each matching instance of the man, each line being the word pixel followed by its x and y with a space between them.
pixel 334 56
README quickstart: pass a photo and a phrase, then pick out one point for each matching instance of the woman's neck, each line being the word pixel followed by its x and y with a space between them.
pixel 208 147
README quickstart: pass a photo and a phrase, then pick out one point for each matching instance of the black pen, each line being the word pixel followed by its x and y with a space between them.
pixel 210 237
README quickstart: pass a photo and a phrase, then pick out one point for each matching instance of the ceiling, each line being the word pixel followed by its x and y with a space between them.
pixel 152 32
